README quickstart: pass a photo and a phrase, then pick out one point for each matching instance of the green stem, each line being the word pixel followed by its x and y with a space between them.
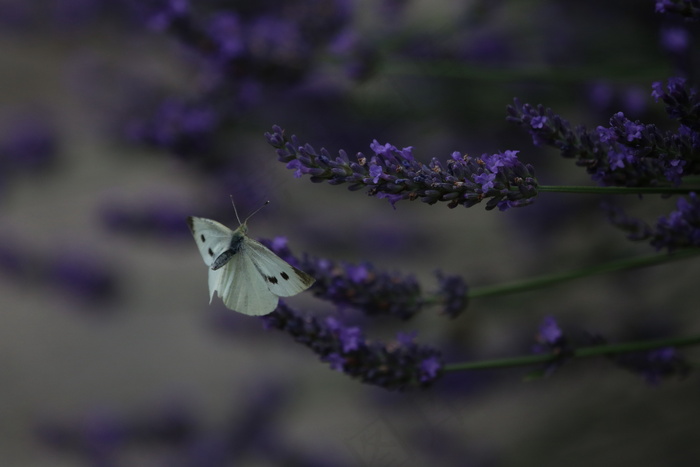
pixel 551 279
pixel 584 352
pixel 619 190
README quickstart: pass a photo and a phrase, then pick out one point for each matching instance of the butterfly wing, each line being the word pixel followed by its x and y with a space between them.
pixel 249 278
pixel 212 239
pixel 280 277
pixel 242 287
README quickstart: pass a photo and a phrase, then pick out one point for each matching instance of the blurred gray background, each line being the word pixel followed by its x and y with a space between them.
pixel 154 345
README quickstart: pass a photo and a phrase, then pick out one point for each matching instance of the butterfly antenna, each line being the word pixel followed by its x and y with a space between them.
pixel 251 215
pixel 235 210
pixel 254 212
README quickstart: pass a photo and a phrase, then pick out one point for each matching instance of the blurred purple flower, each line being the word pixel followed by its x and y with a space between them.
pixel 28 144
pixel 675 39
pixel 75 271
pixel 685 8
pixel 173 434
pixel 159 15
pixel 226 31
pixel 682 103
pixel 550 333
pixel 600 93
pixel 626 153
pixel 185 129
pixel 679 229
pixel 154 218
pixel 550 339
pixel 83 276
pixel 454 294
pixel 654 365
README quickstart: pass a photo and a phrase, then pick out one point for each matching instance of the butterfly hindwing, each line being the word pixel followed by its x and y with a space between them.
pixel 282 278
pixel 242 289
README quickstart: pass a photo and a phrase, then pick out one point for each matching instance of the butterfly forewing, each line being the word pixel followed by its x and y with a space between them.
pixel 282 278
pixel 212 238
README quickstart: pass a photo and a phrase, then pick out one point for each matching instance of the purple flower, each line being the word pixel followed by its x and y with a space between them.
pixel 681 101
pixel 358 274
pixel 297 167
pixel 657 90
pixel 430 368
pixel 350 338
pixel 375 171
pixel 396 175
pixel 550 339
pixel 406 338
pixel 485 180
pixel 346 349
pixel 550 333
pixel 634 130
pixel 538 121
pixel 336 361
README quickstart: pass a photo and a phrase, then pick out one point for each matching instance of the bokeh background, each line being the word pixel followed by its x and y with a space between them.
pixel 120 118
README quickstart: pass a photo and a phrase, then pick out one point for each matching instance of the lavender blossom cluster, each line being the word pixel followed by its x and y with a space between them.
pixel 625 153
pixel 372 291
pixel 396 175
pixel 346 349
pixel 679 229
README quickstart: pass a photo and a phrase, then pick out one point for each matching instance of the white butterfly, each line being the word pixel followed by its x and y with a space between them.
pixel 248 277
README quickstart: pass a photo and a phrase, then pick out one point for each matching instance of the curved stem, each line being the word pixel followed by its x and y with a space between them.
pixel 619 190
pixel 584 352
pixel 551 279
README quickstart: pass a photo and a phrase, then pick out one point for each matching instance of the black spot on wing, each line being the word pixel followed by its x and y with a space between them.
pixel 211 253
pixel 284 276
pixel 202 237
pixel 271 279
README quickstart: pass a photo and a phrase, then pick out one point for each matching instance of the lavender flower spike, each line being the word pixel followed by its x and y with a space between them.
pixel 395 367
pixel 394 174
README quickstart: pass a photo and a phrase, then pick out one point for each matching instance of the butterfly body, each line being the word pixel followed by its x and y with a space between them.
pixel 246 274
